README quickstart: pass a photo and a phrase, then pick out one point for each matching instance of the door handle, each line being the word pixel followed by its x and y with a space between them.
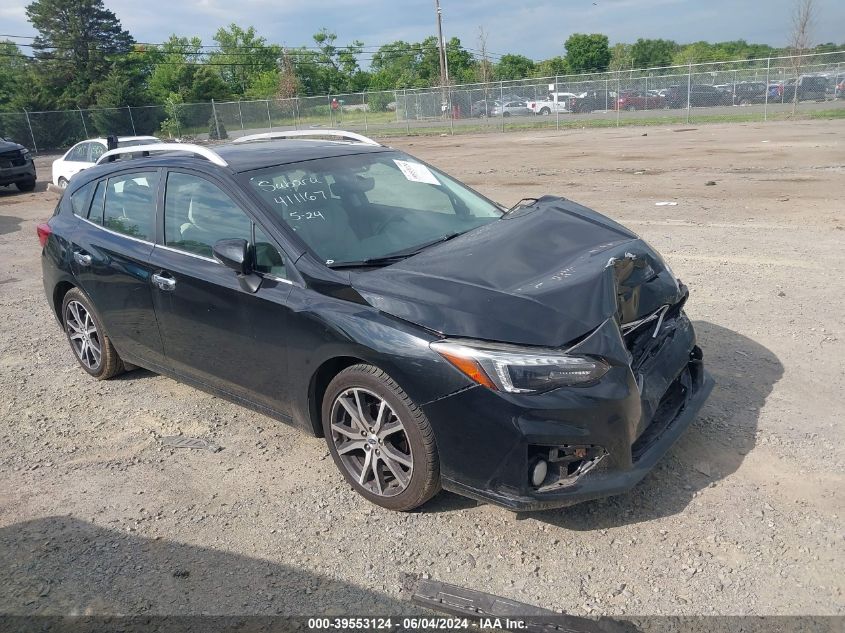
pixel 164 283
pixel 83 259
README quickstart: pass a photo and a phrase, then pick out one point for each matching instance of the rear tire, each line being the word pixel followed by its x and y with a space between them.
pixel 90 344
pixel 380 440
pixel 26 185
pixel 545 111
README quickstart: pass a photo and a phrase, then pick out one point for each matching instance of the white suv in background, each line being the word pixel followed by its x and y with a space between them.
pixel 85 154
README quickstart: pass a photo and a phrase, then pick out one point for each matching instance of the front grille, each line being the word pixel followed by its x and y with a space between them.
pixel 13 158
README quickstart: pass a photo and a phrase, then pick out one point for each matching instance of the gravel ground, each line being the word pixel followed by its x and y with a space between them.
pixel 743 516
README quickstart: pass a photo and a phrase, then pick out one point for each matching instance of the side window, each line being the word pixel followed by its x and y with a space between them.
pixel 268 260
pixel 95 211
pixel 198 213
pixel 131 203
pixel 97 150
pixel 79 199
pixel 79 153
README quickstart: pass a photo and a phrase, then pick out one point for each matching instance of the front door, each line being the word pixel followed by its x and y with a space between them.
pixel 213 330
pixel 111 246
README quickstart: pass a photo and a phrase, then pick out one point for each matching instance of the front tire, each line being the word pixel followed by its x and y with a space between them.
pixel 26 185
pixel 380 440
pixel 545 111
pixel 62 183
pixel 90 344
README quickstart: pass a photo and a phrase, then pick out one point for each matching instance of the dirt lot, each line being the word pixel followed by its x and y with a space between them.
pixel 743 516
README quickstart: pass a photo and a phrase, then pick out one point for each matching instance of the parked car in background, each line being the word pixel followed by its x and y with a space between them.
pixel 16 166
pixel 810 88
pixel 593 100
pixel 748 93
pixel 555 102
pixel 86 153
pixel 839 91
pixel 481 108
pixel 700 96
pixel 640 101
pixel 510 108
pixel 426 332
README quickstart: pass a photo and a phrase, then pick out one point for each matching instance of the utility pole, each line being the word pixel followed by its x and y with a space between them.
pixel 442 49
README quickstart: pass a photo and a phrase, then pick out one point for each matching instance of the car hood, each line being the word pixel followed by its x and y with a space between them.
pixel 546 274
pixel 7 146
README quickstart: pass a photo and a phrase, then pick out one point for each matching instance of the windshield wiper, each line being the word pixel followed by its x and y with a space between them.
pixel 398 256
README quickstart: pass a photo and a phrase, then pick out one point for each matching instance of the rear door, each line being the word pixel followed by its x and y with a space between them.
pixel 213 330
pixel 111 249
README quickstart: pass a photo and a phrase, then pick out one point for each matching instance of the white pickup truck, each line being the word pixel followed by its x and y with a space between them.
pixel 556 102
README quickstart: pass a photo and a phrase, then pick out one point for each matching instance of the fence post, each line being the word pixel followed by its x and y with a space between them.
pixel 269 120
pixel 407 120
pixel 502 101
pixel 84 127
pixel 618 90
pixel 131 120
pixel 606 88
pixel 556 101
pixel 31 133
pixel 364 102
pixel 240 115
pixel 296 112
pixel 214 114
pixel 766 100
pixel 689 89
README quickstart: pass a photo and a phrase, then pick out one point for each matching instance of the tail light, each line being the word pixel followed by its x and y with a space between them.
pixel 44 231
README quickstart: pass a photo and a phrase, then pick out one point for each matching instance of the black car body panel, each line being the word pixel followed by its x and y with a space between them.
pixel 544 275
pixel 550 274
pixel 16 165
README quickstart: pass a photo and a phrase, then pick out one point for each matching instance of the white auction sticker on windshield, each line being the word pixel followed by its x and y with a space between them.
pixel 415 172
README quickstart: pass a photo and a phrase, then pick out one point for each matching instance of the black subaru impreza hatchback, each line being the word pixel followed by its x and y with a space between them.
pixel 532 357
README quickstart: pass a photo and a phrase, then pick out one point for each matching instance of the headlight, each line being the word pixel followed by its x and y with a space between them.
pixel 518 369
pixel 26 155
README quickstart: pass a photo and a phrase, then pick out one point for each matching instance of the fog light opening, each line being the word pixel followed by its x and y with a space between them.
pixel 539 472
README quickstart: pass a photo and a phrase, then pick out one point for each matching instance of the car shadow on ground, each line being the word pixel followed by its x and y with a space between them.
pixel 712 448
pixel 64 566
pixel 12 190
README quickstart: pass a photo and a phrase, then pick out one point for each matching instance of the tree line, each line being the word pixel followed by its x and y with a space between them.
pixel 82 57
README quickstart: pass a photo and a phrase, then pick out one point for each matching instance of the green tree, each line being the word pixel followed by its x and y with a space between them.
pixel 12 73
pixel 173 66
pixel 513 66
pixel 264 85
pixel 75 41
pixel 242 55
pixel 620 57
pixel 206 85
pixel 549 67
pixel 648 53
pixel 587 53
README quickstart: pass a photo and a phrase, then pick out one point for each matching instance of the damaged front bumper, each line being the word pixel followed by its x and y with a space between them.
pixel 595 441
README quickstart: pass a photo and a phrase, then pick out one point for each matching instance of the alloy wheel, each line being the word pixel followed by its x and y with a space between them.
pixel 371 442
pixel 84 337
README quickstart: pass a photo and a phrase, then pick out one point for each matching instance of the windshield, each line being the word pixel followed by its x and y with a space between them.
pixel 351 209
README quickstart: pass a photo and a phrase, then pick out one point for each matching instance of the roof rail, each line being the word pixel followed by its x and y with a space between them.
pixel 211 155
pixel 359 138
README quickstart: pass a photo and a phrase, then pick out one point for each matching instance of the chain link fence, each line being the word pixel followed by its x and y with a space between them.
pixel 737 91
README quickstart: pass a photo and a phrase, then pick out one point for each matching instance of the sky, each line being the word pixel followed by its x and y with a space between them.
pixel 535 28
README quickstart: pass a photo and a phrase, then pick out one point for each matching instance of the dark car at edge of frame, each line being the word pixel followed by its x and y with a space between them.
pixel 532 357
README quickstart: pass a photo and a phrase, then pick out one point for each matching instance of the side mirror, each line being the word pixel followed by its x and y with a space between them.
pixel 236 255
pixel 233 254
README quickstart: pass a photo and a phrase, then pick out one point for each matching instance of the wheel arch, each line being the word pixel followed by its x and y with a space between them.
pixel 318 384
pixel 59 292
